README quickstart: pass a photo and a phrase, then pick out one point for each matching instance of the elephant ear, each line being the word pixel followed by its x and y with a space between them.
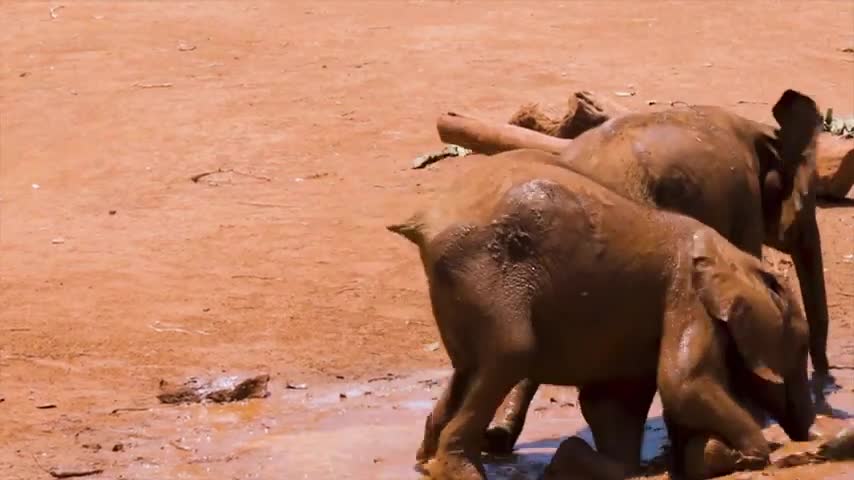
pixel 743 298
pixel 800 122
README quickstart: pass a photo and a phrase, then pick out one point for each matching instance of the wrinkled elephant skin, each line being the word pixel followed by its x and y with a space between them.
pixel 538 272
pixel 751 183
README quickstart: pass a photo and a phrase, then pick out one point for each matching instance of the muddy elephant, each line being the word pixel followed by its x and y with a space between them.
pixel 538 272
pixel 751 183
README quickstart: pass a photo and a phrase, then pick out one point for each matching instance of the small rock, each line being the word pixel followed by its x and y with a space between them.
pixel 378 460
pixel 342 396
pixel 186 47
pixel 651 102
pixel 708 64
pixel 625 94
pixel 36 186
pixel 92 446
pixel 339 377
pixel 46 406
pixel 296 386
pixel 112 212
pixel 58 241
pixel 119 447
pixel 23 74
pixel 431 347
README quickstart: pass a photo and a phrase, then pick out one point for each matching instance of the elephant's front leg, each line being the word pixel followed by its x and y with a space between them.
pixel 703 405
pixel 508 422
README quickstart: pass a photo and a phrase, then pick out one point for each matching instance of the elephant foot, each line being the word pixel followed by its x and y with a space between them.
pixel 709 458
pixel 499 440
pixel 454 466
pixel 823 381
pixel 822 384
pixel 429 443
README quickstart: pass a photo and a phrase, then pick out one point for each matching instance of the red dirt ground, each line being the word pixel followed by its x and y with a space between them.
pixel 116 270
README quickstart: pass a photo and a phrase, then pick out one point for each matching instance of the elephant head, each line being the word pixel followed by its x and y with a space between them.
pixel 787 159
pixel 767 328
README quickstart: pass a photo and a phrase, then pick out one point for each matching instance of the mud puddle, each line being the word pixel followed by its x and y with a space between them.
pixel 366 430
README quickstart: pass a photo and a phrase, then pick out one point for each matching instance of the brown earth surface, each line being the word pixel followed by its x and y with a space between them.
pixel 117 270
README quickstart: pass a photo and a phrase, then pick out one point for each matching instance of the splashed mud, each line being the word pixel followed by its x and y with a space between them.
pixel 371 431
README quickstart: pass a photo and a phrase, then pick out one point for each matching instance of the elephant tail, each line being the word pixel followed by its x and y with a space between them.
pixel 412 230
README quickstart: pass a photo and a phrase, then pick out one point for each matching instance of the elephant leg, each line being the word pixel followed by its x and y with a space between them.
pixel 443 411
pixel 458 454
pixel 575 460
pixel 705 456
pixel 806 255
pixel 676 436
pixel 501 437
pixel 705 406
pixel 616 413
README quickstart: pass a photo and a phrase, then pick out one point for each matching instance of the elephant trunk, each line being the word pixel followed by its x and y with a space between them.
pixel 800 413
pixel 806 255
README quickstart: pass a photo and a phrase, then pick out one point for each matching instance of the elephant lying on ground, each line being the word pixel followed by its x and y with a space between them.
pixel 749 182
pixel 538 272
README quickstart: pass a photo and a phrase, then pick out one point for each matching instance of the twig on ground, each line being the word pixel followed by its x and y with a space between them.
pixel 160 328
pixel 74 474
pixel 260 204
pixel 195 178
pixel 180 447
pixel 152 85
pixel 256 277
pixel 68 473
pixel 252 175
pixel 116 411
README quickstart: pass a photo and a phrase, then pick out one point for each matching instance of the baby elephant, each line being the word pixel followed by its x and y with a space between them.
pixel 537 272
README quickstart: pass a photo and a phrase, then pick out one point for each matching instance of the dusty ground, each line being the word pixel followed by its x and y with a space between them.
pixel 116 270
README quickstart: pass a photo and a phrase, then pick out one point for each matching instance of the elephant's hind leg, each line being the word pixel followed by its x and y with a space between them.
pixel 499 358
pixel 501 437
pixel 458 455
pixel 445 408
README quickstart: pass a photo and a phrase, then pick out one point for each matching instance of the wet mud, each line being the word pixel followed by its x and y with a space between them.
pixel 371 430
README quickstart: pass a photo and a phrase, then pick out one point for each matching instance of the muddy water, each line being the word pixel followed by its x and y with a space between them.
pixel 363 431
